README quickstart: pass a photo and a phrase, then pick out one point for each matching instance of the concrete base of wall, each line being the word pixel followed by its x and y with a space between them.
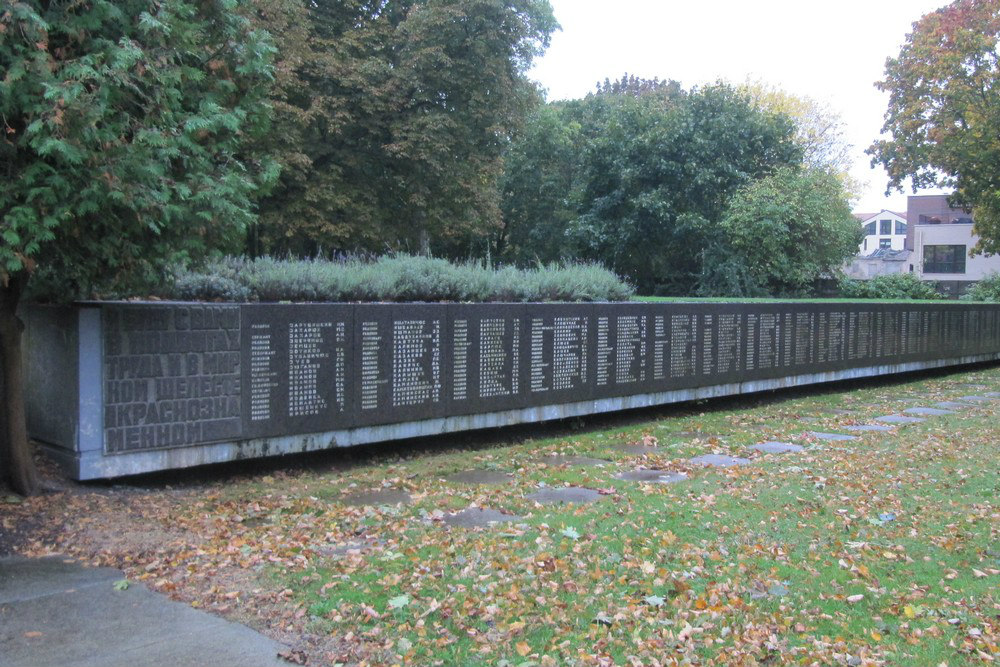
pixel 94 465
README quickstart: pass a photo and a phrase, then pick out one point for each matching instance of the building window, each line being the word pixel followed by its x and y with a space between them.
pixel 870 228
pixel 885 226
pixel 885 243
pixel 944 258
pixel 900 227
pixel 865 246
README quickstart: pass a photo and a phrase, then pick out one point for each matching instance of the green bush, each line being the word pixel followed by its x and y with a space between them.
pixel 392 278
pixel 888 286
pixel 987 289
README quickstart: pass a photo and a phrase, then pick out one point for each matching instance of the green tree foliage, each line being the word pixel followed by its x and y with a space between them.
pixel 819 130
pixel 393 115
pixel 944 111
pixel 785 231
pixel 124 128
pixel 987 289
pixel 889 286
pixel 537 186
pixel 647 171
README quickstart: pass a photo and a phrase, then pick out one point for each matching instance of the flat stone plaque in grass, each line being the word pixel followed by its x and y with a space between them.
pixel 652 475
pixel 836 411
pixel 976 399
pixel 565 495
pixel 377 498
pixel 560 460
pixel 930 412
pixel 636 448
pixel 899 419
pixel 719 460
pixel 475 517
pixel 683 435
pixel 480 476
pixel 831 436
pixel 992 394
pixel 951 405
pixel 775 447
pixel 880 428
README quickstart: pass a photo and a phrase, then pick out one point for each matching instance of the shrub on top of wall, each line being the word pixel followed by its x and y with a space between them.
pixel 888 286
pixel 393 278
pixel 987 289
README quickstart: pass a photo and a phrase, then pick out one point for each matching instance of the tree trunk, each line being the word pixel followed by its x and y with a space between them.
pixel 15 449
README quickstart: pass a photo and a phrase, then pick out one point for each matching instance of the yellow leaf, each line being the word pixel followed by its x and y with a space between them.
pixel 522 649
pixel 909 612
pixel 876 636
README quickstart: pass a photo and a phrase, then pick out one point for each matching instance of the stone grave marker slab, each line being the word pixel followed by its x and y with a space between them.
pixel 719 460
pixel 377 498
pixel 992 394
pixel 480 476
pixel 931 412
pixel 951 405
pixel 976 399
pixel 880 428
pixel 568 460
pixel 775 447
pixel 836 411
pixel 636 448
pixel 334 550
pixel 565 495
pixel 652 475
pixel 476 517
pixel 832 436
pixel 899 419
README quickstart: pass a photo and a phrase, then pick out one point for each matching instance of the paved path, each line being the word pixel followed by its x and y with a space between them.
pixel 54 612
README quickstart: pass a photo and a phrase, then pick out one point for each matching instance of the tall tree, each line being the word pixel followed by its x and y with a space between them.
pixel 657 175
pixel 402 110
pixel 782 233
pixel 819 130
pixel 536 190
pixel 637 176
pixel 125 126
pixel 943 119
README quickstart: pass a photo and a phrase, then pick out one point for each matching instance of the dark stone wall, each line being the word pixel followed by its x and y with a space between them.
pixel 175 375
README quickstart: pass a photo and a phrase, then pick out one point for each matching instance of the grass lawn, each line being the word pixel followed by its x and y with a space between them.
pixel 884 550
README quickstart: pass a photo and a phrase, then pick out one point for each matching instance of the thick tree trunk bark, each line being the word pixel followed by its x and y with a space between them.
pixel 15 449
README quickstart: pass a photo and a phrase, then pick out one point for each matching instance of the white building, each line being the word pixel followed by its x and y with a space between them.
pixel 879 263
pixel 885 230
pixel 932 240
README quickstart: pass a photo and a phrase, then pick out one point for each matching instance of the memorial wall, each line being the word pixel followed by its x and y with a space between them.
pixel 182 375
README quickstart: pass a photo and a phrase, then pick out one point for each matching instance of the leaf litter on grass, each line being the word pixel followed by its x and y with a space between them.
pixel 880 551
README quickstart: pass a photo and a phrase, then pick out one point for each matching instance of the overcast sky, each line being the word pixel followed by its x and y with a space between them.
pixel 832 52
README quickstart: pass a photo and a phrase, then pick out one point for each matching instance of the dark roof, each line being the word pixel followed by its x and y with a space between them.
pixel 887 255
